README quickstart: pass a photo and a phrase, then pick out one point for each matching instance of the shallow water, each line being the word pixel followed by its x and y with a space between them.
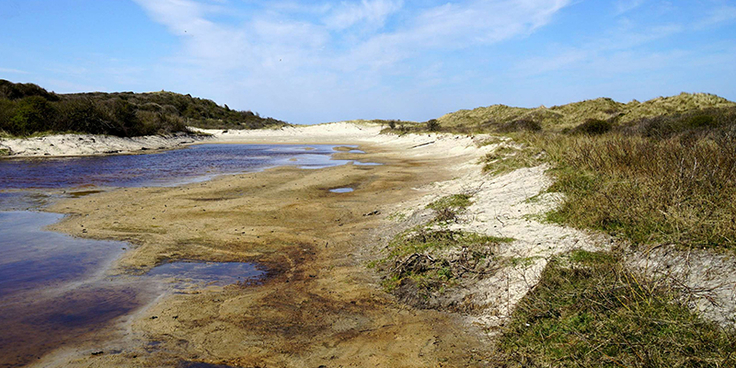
pixel 194 163
pixel 208 273
pixel 342 190
pixel 54 289
pixel 31 258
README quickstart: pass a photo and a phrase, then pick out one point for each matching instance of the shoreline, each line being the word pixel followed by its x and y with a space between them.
pixel 307 236
pixel 82 145
pixel 322 305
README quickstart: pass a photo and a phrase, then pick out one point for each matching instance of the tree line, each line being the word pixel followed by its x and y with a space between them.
pixel 27 109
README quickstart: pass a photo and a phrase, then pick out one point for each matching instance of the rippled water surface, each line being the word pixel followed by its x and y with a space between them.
pixel 54 288
pixel 165 168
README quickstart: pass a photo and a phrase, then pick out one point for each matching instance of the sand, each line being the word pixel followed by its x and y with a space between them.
pixel 88 144
pixel 321 305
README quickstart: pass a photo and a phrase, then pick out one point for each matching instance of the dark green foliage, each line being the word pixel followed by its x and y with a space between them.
pixel 392 124
pixel 16 91
pixel 26 109
pixel 698 122
pixel 589 311
pixel 594 127
pixel 520 125
pixel 433 125
pixel 30 114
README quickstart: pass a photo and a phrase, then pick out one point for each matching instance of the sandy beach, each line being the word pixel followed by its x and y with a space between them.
pixel 321 305
pixel 64 145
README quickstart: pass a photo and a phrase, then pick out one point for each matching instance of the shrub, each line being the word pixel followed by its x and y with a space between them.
pixel 27 108
pixel 433 125
pixel 518 125
pixel 31 114
pixel 594 127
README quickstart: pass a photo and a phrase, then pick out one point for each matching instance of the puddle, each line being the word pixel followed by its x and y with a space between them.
pixel 54 289
pixel 187 364
pixel 342 190
pixel 208 273
pixel 32 258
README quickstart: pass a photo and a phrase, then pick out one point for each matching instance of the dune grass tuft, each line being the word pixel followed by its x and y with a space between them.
pixel 589 311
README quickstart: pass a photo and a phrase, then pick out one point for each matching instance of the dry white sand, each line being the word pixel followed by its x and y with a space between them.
pixel 88 144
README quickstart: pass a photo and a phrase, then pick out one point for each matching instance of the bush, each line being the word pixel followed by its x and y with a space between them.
pixel 433 125
pixel 31 114
pixel 519 125
pixel 27 108
pixel 594 127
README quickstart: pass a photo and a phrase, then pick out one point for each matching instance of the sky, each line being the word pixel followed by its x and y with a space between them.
pixel 318 61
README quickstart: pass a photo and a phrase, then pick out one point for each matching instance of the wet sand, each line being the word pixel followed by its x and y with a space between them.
pixel 319 306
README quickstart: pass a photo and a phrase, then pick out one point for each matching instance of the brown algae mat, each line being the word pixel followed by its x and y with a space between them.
pixel 319 306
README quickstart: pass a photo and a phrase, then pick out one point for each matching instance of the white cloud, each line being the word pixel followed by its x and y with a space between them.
pixel 718 16
pixel 625 6
pixel 322 53
pixel 12 71
pixel 371 12
pixel 450 26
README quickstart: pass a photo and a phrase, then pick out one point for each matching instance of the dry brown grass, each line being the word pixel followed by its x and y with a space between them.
pixel 649 191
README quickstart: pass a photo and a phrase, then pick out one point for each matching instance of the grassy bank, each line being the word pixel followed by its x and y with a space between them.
pixel 589 311
pixel 658 172
pixel 27 109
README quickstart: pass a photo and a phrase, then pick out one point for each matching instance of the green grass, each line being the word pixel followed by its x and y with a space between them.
pixel 448 208
pixel 506 159
pixel 588 311
pixel 674 188
pixel 501 118
pixel 649 191
pixel 456 201
pixel 420 255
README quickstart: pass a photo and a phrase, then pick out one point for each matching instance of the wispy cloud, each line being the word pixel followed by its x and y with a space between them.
pixel 625 6
pixel 296 49
pixel 371 12
pixel 450 26
pixel 718 16
pixel 13 71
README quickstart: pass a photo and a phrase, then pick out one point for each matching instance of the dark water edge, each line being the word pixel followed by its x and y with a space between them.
pixel 169 168
pixel 54 290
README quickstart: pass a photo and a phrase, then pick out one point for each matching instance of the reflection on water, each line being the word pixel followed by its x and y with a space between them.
pixel 210 273
pixel 54 290
pixel 193 163
pixel 31 258
pixel 51 287
pixel 342 190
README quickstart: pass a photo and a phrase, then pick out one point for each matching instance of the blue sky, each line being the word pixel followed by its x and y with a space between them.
pixel 318 61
